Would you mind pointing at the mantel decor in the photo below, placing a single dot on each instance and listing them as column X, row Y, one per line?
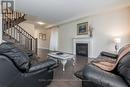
column 42, row 36
column 82, row 28
column 90, row 31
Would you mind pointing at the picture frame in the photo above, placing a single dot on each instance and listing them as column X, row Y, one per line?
column 42, row 36
column 82, row 28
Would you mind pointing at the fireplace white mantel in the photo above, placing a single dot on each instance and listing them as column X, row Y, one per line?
column 87, row 40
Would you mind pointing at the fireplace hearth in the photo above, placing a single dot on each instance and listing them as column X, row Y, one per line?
column 82, row 49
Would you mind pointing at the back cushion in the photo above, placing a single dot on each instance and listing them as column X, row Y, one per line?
column 123, row 67
column 20, row 59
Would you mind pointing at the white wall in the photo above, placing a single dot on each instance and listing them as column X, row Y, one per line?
column 106, row 27
column 0, row 27
column 43, row 44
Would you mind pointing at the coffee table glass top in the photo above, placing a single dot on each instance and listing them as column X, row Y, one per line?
column 61, row 55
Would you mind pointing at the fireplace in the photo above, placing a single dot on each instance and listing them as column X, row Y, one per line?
column 83, row 46
column 82, row 49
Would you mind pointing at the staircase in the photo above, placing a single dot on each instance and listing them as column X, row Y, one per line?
column 12, row 31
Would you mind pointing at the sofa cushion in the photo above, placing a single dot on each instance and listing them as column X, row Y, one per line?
column 100, row 77
column 19, row 58
column 124, row 67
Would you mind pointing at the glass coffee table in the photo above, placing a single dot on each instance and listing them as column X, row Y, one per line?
column 62, row 57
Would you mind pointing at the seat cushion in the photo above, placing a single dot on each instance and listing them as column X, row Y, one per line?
column 104, row 63
column 47, row 64
column 124, row 67
column 18, row 57
column 105, row 59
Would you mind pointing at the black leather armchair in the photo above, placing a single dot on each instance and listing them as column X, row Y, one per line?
column 16, row 69
column 92, row 76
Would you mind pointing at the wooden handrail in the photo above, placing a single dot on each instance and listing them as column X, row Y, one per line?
column 26, row 32
column 20, row 32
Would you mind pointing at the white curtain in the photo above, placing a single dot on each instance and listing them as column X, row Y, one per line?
column 54, row 39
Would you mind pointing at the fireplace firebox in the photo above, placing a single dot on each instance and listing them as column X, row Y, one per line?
column 82, row 49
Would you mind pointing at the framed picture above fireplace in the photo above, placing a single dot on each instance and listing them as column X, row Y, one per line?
column 82, row 28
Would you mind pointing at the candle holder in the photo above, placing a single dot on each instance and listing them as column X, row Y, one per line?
column 117, row 44
column 91, row 31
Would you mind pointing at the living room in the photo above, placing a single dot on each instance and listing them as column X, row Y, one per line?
column 85, row 29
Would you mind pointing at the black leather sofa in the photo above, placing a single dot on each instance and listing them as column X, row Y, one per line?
column 17, row 69
column 93, row 76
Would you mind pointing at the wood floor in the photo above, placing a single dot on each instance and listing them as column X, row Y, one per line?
column 65, row 78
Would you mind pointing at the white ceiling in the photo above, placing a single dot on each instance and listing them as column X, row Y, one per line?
column 56, row 11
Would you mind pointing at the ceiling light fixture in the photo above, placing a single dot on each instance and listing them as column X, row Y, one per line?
column 41, row 23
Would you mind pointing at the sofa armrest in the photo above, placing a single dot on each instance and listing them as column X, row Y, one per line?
column 103, row 78
column 49, row 64
column 107, row 54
